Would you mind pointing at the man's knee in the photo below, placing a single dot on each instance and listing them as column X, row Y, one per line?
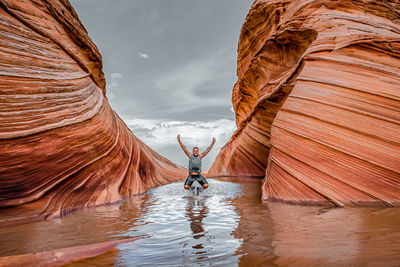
column 186, row 187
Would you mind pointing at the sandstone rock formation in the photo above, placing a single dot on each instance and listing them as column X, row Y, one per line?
column 317, row 102
column 61, row 145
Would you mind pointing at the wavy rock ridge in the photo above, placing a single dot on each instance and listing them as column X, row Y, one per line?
column 317, row 102
column 61, row 145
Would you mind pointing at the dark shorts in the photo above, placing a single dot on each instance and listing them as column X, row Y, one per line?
column 192, row 178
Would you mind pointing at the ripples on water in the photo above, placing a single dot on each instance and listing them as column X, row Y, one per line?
column 227, row 225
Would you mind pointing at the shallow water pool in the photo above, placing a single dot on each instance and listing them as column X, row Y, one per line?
column 226, row 225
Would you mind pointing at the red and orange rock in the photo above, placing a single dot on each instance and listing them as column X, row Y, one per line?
column 61, row 145
column 317, row 102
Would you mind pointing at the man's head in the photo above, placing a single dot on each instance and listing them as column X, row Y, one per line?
column 196, row 151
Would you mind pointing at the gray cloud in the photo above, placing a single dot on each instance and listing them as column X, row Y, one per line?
column 169, row 61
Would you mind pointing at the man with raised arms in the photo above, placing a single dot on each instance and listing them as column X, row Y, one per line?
column 195, row 164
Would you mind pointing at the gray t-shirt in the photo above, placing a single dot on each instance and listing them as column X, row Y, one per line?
column 195, row 163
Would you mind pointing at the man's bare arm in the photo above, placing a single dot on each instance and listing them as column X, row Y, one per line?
column 205, row 152
column 183, row 147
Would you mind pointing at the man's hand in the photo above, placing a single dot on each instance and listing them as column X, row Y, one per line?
column 183, row 146
column 202, row 155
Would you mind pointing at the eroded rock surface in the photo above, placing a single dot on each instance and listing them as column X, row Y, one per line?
column 61, row 145
column 317, row 102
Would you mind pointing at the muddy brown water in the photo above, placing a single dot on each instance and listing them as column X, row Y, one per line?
column 227, row 225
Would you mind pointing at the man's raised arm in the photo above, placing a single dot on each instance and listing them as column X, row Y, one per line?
column 183, row 147
column 205, row 152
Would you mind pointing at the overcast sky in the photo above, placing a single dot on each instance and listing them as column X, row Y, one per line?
column 170, row 67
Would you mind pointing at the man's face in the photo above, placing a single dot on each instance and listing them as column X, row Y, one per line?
column 195, row 151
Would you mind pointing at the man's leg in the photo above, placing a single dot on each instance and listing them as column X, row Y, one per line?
column 203, row 182
column 188, row 183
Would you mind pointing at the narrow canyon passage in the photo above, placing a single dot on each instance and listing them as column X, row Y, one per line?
column 227, row 224
column 316, row 105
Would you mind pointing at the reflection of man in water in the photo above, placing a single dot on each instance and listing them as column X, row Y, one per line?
column 195, row 165
column 196, row 216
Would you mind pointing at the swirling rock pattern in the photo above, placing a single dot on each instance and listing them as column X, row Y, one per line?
column 317, row 102
column 61, row 145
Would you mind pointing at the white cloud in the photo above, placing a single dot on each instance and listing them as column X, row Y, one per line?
column 112, row 83
column 110, row 95
column 115, row 75
column 143, row 55
column 161, row 135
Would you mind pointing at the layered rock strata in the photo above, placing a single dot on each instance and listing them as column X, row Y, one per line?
column 317, row 102
column 61, row 145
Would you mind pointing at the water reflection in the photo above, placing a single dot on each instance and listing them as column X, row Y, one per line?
column 255, row 227
column 227, row 225
column 196, row 210
column 185, row 229
column 94, row 225
column 335, row 236
column 276, row 234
